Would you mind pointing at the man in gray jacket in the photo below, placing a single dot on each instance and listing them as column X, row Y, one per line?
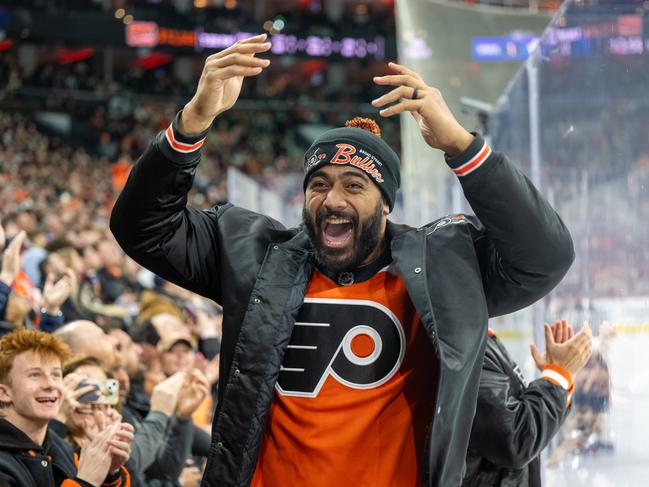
column 352, row 347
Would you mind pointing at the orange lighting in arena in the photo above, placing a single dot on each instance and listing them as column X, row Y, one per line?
column 175, row 37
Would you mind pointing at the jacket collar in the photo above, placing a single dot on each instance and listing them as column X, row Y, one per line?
column 15, row 440
column 12, row 438
column 300, row 241
column 395, row 230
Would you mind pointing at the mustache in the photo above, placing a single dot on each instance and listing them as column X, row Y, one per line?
column 322, row 215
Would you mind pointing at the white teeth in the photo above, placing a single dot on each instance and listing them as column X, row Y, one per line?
column 337, row 221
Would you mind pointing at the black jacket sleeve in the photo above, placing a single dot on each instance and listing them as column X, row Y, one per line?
column 513, row 424
column 153, row 223
column 524, row 248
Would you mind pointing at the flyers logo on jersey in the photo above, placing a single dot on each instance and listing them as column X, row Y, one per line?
column 359, row 343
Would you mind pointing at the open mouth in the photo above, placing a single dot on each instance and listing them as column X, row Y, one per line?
column 337, row 231
column 47, row 400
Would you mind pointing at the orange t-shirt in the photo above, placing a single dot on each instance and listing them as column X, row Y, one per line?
column 356, row 390
column 121, row 170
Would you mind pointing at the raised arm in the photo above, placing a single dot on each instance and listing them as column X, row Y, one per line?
column 509, row 430
column 523, row 247
column 514, row 423
column 151, row 219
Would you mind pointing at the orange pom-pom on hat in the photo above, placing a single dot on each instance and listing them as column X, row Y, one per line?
column 365, row 124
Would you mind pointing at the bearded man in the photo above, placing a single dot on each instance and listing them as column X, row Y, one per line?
column 352, row 347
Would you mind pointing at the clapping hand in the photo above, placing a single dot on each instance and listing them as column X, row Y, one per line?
column 193, row 394
column 571, row 354
column 56, row 293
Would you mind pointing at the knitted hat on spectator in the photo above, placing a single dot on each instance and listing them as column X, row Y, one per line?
column 358, row 144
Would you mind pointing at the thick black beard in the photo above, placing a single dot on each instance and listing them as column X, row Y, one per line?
column 332, row 260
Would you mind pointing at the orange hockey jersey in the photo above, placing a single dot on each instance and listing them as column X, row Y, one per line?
column 356, row 390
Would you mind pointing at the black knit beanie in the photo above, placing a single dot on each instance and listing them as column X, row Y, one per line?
column 359, row 148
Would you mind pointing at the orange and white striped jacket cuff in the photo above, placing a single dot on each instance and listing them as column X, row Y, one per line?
column 179, row 147
column 559, row 376
column 472, row 159
column 176, row 143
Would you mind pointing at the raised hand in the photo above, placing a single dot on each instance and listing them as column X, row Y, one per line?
column 165, row 394
column 571, row 355
column 190, row 476
column 119, row 440
column 11, row 259
column 95, row 458
column 193, row 394
column 55, row 293
column 71, row 394
column 154, row 374
column 562, row 332
column 438, row 126
column 221, row 80
column 120, row 445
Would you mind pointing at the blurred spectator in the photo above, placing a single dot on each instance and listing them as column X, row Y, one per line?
column 164, row 434
column 81, row 419
column 176, row 351
column 31, row 390
column 515, row 421
column 86, row 339
column 585, row 430
column 20, row 301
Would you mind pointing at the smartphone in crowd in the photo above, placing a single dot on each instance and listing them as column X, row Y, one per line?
column 104, row 392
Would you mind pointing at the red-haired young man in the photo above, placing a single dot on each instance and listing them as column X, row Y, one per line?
column 31, row 393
